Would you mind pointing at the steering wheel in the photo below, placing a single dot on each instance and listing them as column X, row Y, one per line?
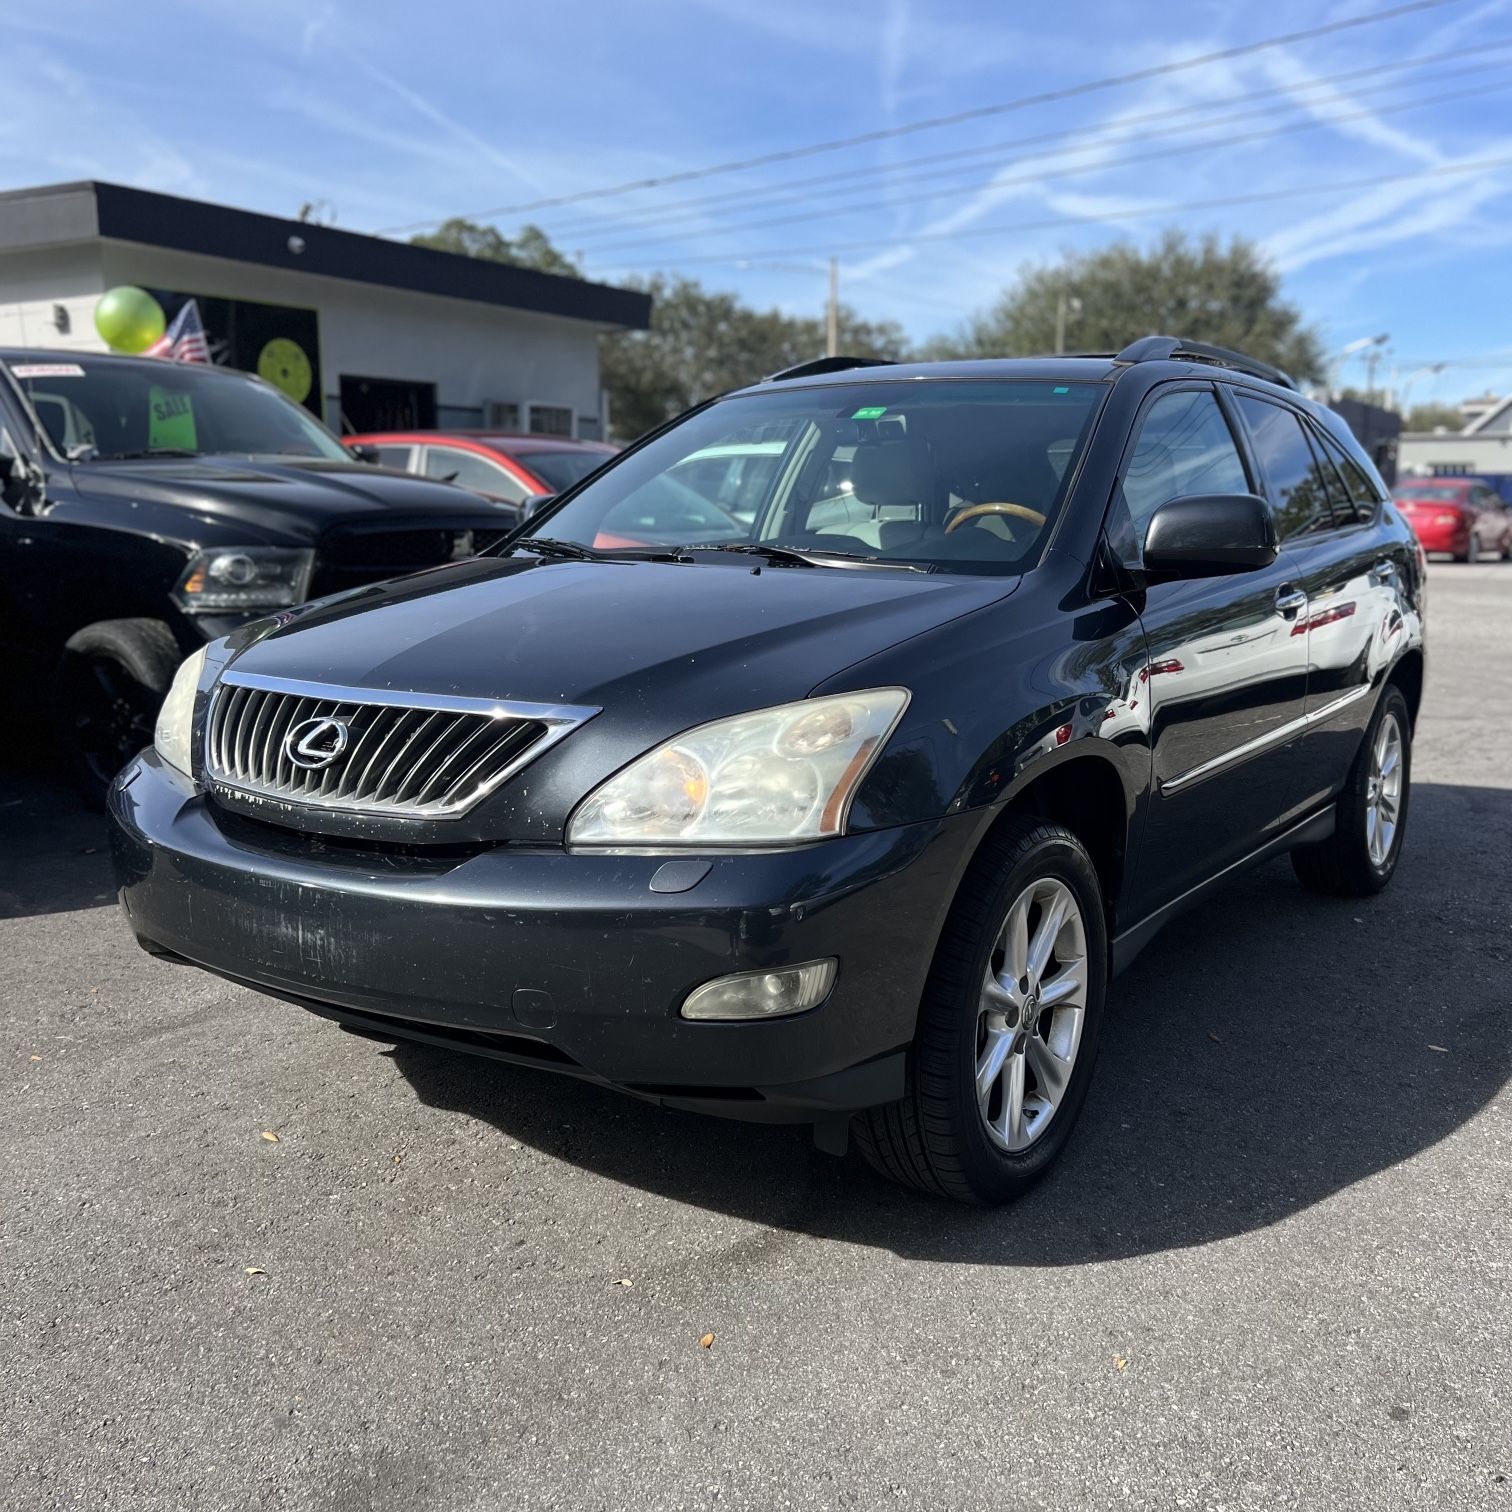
column 975, row 511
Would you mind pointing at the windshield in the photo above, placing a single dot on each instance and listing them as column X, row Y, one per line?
column 560, row 470
column 104, row 408
column 959, row 474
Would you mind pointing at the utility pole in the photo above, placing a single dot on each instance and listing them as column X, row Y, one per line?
column 832, row 312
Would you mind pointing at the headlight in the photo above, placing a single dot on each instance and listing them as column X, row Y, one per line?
column 252, row 578
column 175, row 719
column 770, row 778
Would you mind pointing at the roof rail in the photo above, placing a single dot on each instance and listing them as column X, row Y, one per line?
column 1164, row 348
column 826, row 365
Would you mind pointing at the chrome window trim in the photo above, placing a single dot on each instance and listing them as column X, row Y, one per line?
column 1261, row 742
column 560, row 721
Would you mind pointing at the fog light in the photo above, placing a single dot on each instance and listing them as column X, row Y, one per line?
column 762, row 994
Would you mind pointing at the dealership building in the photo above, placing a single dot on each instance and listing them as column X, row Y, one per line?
column 369, row 334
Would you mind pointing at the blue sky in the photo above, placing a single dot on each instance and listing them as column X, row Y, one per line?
column 395, row 114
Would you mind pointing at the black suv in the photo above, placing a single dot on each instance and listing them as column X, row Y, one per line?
column 147, row 507
column 844, row 807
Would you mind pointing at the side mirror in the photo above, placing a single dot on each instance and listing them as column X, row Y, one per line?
column 365, row 453
column 1209, row 535
column 534, row 504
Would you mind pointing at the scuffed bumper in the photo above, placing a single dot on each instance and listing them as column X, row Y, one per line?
column 567, row 961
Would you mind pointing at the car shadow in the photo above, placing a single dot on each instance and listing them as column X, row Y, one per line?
column 54, row 851
column 1266, row 1051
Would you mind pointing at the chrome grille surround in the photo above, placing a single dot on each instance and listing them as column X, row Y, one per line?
column 406, row 755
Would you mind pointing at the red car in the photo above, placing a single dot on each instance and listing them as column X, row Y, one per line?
column 1461, row 516
column 506, row 469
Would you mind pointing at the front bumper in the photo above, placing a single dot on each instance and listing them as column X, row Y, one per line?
column 569, row 961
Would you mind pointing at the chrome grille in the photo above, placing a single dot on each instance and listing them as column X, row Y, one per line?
column 399, row 754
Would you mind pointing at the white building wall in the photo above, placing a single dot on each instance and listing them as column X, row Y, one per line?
column 32, row 284
column 1423, row 452
column 474, row 353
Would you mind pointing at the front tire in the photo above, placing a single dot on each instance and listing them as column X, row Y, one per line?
column 1361, row 855
column 1008, row 1025
column 111, row 683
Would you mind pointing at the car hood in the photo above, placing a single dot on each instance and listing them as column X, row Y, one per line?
column 285, row 502
column 666, row 644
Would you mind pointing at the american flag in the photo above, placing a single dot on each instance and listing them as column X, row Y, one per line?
column 184, row 340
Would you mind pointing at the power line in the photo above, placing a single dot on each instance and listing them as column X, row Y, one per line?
column 1141, row 212
column 736, row 228
column 652, row 215
column 956, row 118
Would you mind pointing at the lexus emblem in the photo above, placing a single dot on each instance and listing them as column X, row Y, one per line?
column 316, row 743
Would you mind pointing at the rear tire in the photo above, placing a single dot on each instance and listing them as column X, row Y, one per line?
column 944, row 1137
column 111, row 683
column 1361, row 855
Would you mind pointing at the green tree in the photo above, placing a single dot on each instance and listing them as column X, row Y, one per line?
column 531, row 248
column 702, row 342
column 1201, row 289
column 1427, row 417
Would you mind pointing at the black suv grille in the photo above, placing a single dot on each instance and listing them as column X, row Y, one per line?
column 350, row 558
column 370, row 752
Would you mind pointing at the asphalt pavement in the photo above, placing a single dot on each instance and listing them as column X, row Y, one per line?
column 1273, row 1270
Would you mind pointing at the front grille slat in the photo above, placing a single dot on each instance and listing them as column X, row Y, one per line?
column 443, row 771
column 391, row 778
column 414, row 777
column 402, row 731
column 499, row 752
column 432, row 757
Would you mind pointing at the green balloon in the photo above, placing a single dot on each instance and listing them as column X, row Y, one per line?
column 129, row 319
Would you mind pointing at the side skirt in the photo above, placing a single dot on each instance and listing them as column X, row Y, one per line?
column 1127, row 945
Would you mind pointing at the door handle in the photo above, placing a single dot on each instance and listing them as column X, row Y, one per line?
column 1290, row 600
column 1382, row 572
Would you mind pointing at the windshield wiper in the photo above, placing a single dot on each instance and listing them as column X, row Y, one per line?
column 794, row 556
column 546, row 547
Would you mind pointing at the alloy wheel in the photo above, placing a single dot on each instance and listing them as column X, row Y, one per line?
column 1383, row 791
column 1030, row 1014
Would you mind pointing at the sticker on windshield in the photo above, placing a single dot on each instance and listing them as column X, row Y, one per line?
column 171, row 423
column 46, row 370
column 871, row 412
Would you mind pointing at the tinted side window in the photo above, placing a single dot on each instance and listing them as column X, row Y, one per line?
column 1362, row 496
column 1298, row 490
column 1339, row 502
column 1184, row 447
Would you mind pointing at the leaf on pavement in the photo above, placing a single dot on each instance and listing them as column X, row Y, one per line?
column 707, row 1342
column 254, row 1270
column 1119, row 1363
column 1440, row 1049
column 624, row 1281
column 270, row 1136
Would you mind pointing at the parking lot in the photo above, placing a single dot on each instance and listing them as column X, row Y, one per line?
column 1273, row 1270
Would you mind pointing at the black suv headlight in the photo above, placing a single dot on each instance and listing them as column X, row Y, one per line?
column 228, row 579
column 772, row 777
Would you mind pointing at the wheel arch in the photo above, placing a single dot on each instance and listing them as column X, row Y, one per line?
column 1086, row 794
column 1407, row 674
